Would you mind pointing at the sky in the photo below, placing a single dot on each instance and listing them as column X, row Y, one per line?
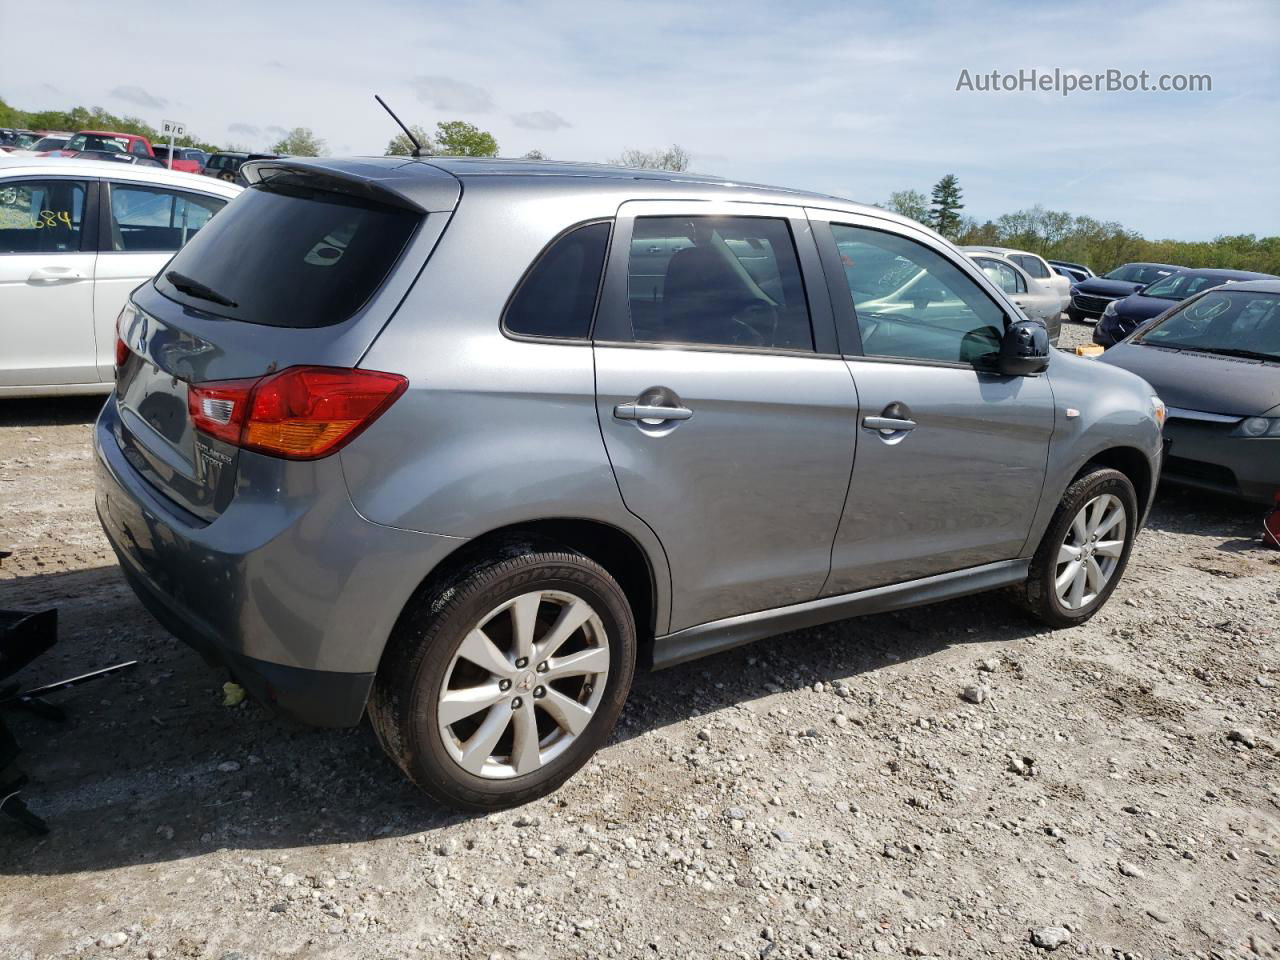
column 847, row 98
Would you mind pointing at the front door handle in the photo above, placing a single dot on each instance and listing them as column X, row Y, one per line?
column 56, row 275
column 643, row 411
column 888, row 424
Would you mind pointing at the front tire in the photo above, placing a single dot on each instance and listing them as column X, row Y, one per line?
column 1085, row 549
column 498, row 685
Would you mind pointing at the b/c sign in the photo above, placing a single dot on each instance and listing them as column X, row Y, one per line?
column 171, row 128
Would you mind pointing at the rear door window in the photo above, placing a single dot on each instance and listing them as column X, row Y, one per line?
column 557, row 298
column 153, row 219
column 1033, row 265
column 288, row 255
column 41, row 216
column 730, row 281
column 1002, row 275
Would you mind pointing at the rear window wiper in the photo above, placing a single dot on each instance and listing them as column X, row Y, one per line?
column 194, row 288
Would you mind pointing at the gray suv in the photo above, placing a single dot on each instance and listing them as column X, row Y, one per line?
column 464, row 442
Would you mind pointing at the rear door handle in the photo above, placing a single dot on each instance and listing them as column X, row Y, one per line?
column 889, row 424
column 641, row 411
column 55, row 275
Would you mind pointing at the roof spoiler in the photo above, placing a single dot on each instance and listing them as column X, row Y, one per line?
column 315, row 175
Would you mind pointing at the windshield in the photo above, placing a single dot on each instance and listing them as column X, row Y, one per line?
column 50, row 143
column 1179, row 286
column 92, row 141
column 1222, row 321
column 1137, row 273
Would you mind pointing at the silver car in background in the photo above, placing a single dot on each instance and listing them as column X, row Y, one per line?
column 1035, row 300
column 1036, row 267
column 466, row 442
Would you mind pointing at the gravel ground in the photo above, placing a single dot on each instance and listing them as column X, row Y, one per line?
column 828, row 793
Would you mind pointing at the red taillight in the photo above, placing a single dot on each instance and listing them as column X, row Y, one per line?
column 301, row 413
column 218, row 409
column 122, row 348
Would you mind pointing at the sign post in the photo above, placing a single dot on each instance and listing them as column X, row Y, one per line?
column 174, row 130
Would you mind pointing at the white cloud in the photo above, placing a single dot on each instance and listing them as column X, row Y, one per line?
column 248, row 129
column 138, row 96
column 539, row 120
column 446, row 93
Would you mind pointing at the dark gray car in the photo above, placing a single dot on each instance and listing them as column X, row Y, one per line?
column 1216, row 361
column 467, row 441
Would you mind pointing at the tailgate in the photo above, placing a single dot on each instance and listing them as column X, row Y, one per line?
column 304, row 271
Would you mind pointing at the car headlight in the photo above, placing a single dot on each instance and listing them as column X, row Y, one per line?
column 1255, row 427
column 1159, row 410
column 1110, row 310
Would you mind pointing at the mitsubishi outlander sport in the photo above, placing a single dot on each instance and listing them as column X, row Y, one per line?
column 463, row 443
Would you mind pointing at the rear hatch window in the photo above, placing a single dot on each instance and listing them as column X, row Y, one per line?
column 288, row 255
column 257, row 290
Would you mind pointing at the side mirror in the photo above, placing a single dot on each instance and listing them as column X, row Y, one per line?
column 1140, row 288
column 1024, row 349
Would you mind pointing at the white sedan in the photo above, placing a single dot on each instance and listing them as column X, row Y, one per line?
column 1037, row 301
column 1035, row 267
column 76, row 236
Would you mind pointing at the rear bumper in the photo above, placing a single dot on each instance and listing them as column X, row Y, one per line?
column 289, row 587
column 322, row 698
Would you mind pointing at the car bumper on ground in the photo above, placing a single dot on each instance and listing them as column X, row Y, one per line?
column 297, row 603
column 1205, row 455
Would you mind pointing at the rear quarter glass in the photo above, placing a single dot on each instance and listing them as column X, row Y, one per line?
column 284, row 256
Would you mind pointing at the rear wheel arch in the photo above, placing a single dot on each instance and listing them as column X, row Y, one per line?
column 619, row 553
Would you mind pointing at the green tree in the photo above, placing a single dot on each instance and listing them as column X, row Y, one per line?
column 536, row 154
column 299, row 142
column 910, row 203
column 675, row 158
column 457, row 138
column 11, row 116
column 945, row 214
column 402, row 146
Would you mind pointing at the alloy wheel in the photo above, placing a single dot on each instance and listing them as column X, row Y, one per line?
column 1090, row 552
column 524, row 684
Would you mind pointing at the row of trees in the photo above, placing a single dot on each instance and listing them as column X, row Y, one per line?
column 1057, row 234
column 451, row 138
column 89, row 118
column 299, row 141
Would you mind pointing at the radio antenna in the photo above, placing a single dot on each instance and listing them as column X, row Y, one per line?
column 417, row 147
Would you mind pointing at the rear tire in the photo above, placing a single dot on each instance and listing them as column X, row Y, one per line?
column 474, row 723
column 1085, row 549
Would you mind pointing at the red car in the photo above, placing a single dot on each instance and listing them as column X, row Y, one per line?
column 104, row 141
column 186, row 159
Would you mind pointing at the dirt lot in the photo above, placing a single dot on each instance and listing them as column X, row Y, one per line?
column 826, row 793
